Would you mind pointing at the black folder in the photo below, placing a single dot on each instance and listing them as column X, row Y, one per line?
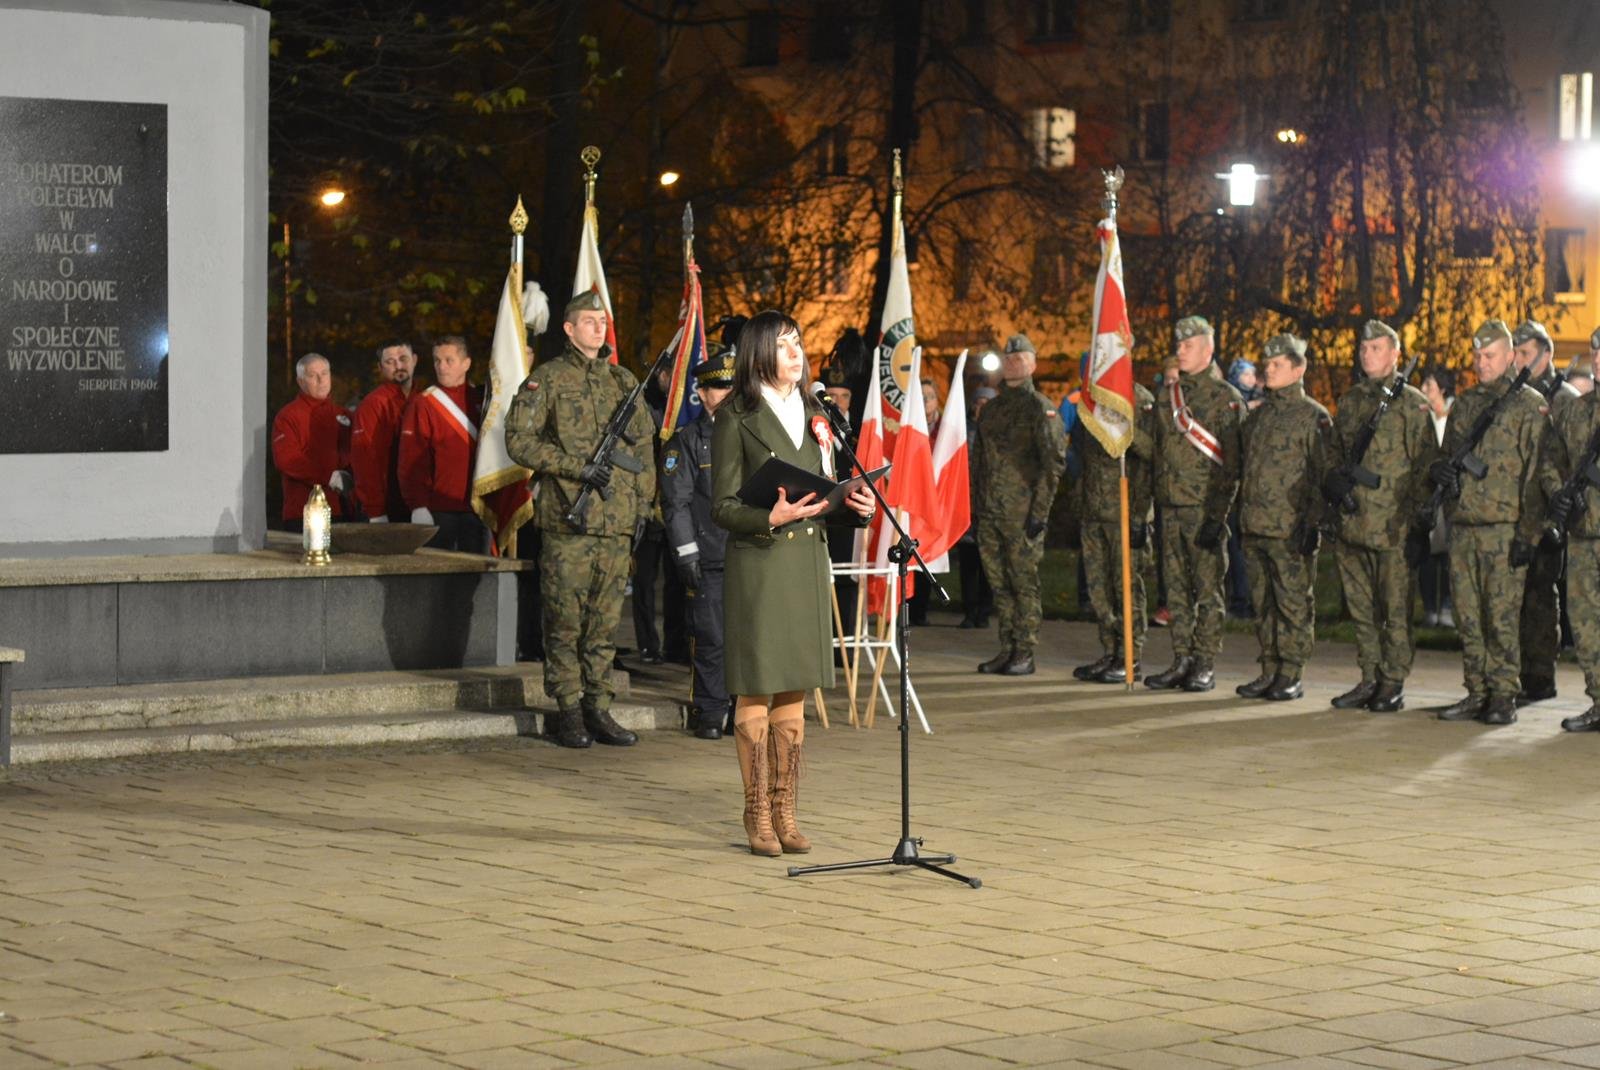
column 761, row 489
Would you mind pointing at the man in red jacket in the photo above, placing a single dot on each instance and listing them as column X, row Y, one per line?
column 373, row 457
column 311, row 441
column 438, row 443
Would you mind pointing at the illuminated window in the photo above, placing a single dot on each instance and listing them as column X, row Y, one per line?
column 1576, row 94
column 1052, row 131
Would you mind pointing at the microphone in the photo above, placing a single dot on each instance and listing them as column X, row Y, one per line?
column 840, row 417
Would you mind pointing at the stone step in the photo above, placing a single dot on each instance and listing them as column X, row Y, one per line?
column 282, row 698
column 310, row 731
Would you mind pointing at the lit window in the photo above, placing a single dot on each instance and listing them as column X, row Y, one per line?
column 1052, row 131
column 1577, row 104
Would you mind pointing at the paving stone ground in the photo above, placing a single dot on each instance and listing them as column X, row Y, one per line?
column 1168, row 881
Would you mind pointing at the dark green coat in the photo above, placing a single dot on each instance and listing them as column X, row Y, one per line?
column 777, row 616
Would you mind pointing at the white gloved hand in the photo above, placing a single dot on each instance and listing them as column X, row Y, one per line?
column 339, row 481
column 420, row 515
column 378, row 520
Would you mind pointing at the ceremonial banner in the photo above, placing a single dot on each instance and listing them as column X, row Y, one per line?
column 688, row 350
column 591, row 273
column 951, row 476
column 1106, row 405
column 499, row 487
column 899, row 338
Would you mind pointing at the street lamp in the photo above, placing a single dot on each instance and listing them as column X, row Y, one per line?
column 670, row 178
column 990, row 362
column 1242, row 179
column 331, row 197
column 1585, row 170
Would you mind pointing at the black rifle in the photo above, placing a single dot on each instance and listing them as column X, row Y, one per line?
column 1464, row 459
column 606, row 454
column 1585, row 474
column 1363, row 440
column 1561, row 380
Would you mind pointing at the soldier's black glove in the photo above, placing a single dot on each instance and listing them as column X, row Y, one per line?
column 1417, row 547
column 1138, row 535
column 1521, row 554
column 1033, row 528
column 1209, row 537
column 1564, row 505
column 1337, row 485
column 1443, row 474
column 596, row 475
column 1307, row 538
column 689, row 573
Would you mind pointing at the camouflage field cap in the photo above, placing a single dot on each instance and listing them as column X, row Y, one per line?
column 1491, row 332
column 717, row 368
column 1372, row 330
column 584, row 302
column 1284, row 345
column 1192, row 327
column 1528, row 330
column 1019, row 343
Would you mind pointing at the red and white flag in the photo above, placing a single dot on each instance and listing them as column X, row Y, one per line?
column 499, row 486
column 951, row 478
column 1106, row 403
column 591, row 273
column 910, row 491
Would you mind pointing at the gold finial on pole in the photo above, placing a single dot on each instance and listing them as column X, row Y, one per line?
column 899, row 184
column 519, row 223
column 1113, row 186
column 688, row 233
column 590, row 156
column 519, row 218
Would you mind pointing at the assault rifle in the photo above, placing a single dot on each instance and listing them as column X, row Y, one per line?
column 1585, row 474
column 1561, row 380
column 1353, row 468
column 1464, row 459
column 605, row 453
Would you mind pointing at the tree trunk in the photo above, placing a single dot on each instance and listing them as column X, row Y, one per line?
column 902, row 131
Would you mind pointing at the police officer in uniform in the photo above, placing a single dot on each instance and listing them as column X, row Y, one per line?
column 698, row 545
column 1021, row 451
column 1197, row 476
column 1540, row 622
column 552, row 428
column 1280, row 508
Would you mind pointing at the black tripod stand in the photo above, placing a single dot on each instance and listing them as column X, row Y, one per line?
column 907, row 851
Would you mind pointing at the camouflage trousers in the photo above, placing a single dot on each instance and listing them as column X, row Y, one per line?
column 1102, row 565
column 1540, row 624
column 1281, row 582
column 1011, row 561
column 1194, row 583
column 1378, row 591
column 1583, row 597
column 1488, row 596
column 582, row 578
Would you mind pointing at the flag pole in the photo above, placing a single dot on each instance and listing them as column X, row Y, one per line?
column 519, row 224
column 590, row 156
column 1113, row 180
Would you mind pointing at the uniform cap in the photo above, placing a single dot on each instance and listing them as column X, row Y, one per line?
column 1491, row 332
column 717, row 368
column 1594, row 339
column 1372, row 330
column 1191, row 327
column 585, row 302
column 1284, row 345
column 1528, row 330
column 834, row 375
column 1019, row 343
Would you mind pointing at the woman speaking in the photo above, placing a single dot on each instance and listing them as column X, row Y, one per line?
column 776, row 611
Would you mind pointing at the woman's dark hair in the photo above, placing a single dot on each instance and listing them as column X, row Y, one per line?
column 1444, row 377
column 755, row 361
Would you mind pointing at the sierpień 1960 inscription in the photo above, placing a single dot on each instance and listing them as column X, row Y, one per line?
column 83, row 276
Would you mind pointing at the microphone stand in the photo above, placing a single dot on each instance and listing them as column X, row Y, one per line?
column 907, row 851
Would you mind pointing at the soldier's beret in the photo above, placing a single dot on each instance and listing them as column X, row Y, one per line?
column 1594, row 339
column 834, row 375
column 1191, row 327
column 1491, row 332
column 1285, row 345
column 1372, row 330
column 717, row 368
column 1528, row 330
column 585, row 302
column 1019, row 343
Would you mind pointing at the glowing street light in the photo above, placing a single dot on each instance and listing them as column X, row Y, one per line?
column 670, row 178
column 331, row 198
column 1584, row 172
column 990, row 362
column 1290, row 136
column 1242, row 179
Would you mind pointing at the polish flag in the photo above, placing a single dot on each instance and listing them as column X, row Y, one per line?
column 591, row 273
column 911, row 492
column 950, row 473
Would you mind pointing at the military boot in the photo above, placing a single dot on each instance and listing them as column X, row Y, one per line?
column 1587, row 721
column 1536, row 689
column 604, row 729
column 996, row 663
column 1467, row 709
column 1357, row 697
column 751, row 738
column 1284, row 688
column 565, row 728
column 1257, row 687
column 1499, row 710
column 1173, row 677
column 1388, row 698
column 705, row 725
column 1117, row 672
column 785, row 743
column 1201, row 677
column 1020, row 665
column 1093, row 670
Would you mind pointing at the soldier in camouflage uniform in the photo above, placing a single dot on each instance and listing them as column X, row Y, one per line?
column 1494, row 525
column 553, row 426
column 1574, row 426
column 1197, row 475
column 1280, row 506
column 1020, row 453
column 1539, row 626
column 1385, row 539
column 1099, row 507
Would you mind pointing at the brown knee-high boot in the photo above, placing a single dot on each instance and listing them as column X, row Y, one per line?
column 787, row 743
column 751, row 739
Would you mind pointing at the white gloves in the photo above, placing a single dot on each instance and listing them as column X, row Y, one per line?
column 339, row 481
column 378, row 520
column 420, row 515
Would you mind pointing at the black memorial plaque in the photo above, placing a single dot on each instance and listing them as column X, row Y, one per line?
column 83, row 276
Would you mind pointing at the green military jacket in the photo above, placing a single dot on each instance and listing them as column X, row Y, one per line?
column 1020, row 453
column 1401, row 451
column 1099, row 497
column 1564, row 444
column 1285, row 458
column 1509, row 493
column 555, row 423
column 1184, row 475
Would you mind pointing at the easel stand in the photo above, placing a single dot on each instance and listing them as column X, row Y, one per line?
column 907, row 852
